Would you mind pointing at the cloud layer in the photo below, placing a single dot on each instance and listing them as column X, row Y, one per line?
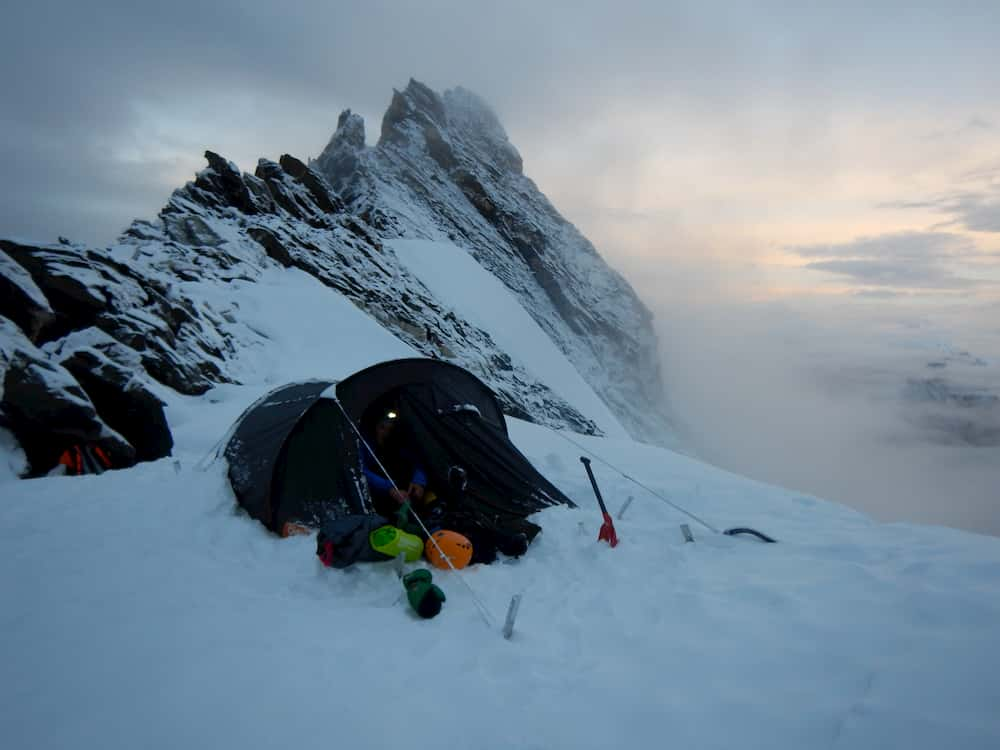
column 907, row 260
column 108, row 104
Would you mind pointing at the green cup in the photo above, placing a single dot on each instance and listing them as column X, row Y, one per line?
column 391, row 541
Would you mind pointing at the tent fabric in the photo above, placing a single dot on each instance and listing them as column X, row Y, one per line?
column 257, row 441
column 294, row 458
column 453, row 386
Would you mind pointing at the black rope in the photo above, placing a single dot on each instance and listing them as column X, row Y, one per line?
column 752, row 532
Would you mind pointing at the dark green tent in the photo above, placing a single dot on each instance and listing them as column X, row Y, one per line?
column 295, row 459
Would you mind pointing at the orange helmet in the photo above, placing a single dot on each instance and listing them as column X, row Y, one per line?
column 454, row 545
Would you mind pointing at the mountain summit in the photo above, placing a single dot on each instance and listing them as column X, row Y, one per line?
column 444, row 169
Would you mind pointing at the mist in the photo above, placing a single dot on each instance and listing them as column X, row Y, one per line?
column 893, row 411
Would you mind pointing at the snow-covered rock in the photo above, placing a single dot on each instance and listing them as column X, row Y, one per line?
column 47, row 408
column 21, row 300
column 160, row 308
column 225, row 226
column 444, row 169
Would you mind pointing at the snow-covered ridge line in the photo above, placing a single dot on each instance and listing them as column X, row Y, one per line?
column 166, row 298
column 444, row 170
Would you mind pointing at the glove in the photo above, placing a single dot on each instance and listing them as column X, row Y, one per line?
column 425, row 597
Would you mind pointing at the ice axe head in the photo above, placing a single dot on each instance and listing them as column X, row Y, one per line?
column 607, row 532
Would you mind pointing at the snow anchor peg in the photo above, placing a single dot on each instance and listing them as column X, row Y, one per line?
column 621, row 513
column 607, row 532
column 508, row 626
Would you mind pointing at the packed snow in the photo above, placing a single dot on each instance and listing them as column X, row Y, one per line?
column 456, row 279
column 143, row 609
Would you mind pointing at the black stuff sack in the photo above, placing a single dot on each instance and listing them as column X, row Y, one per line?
column 344, row 541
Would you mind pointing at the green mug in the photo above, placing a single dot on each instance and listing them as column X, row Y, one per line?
column 391, row 541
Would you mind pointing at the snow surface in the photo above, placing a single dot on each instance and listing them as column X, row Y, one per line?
column 457, row 280
column 141, row 609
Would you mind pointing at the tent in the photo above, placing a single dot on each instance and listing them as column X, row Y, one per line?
column 295, row 460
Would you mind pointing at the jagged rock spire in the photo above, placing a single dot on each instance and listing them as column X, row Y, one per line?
column 444, row 169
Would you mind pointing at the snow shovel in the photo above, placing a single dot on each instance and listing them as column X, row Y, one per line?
column 607, row 533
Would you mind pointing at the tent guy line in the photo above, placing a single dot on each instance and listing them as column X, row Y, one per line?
column 728, row 532
column 480, row 605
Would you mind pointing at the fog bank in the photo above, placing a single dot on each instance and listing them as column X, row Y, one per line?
column 892, row 409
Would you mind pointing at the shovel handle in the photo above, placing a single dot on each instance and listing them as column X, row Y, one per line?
column 593, row 483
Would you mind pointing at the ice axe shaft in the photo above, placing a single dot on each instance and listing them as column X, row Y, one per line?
column 607, row 533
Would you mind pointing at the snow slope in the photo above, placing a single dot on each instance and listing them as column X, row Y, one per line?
column 456, row 279
column 140, row 609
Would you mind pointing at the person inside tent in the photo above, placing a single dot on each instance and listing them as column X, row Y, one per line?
column 387, row 451
column 392, row 452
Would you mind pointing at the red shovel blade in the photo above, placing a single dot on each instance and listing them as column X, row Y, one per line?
column 607, row 532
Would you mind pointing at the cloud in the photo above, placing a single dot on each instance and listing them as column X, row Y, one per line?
column 252, row 78
column 975, row 125
column 976, row 207
column 975, row 211
column 925, row 260
column 896, row 246
column 830, row 397
column 878, row 294
column 888, row 273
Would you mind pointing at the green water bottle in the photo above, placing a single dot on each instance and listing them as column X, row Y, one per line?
column 391, row 541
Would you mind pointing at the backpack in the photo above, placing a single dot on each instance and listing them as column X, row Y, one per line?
column 344, row 541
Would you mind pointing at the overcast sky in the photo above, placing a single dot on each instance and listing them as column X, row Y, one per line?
column 724, row 155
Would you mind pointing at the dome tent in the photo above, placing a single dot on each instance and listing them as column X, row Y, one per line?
column 294, row 458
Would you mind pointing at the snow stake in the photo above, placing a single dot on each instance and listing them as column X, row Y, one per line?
column 625, row 507
column 686, row 531
column 607, row 532
column 508, row 626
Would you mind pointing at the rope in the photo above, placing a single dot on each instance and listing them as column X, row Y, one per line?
column 655, row 494
column 483, row 609
column 753, row 532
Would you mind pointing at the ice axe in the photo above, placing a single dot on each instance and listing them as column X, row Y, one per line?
column 607, row 533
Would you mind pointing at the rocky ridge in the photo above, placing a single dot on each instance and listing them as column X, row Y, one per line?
column 444, row 169
column 89, row 337
column 82, row 327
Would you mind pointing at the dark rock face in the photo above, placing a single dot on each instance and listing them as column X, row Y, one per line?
column 55, row 398
column 22, row 301
column 123, row 402
column 48, row 410
column 444, row 169
column 88, row 288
